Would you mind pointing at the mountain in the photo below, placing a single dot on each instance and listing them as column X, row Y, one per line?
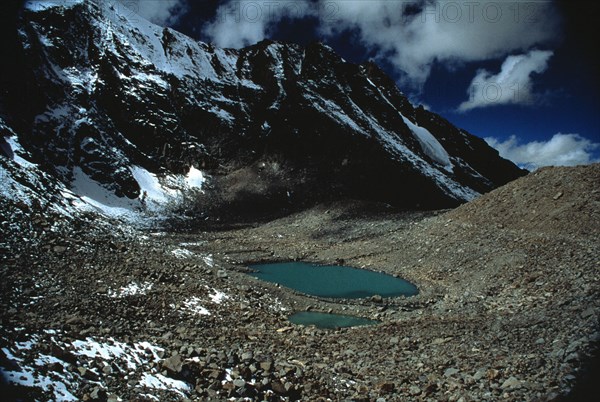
column 99, row 95
column 103, row 111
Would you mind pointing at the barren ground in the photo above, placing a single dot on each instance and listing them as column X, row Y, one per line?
column 507, row 310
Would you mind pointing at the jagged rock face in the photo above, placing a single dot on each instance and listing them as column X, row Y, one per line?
column 113, row 90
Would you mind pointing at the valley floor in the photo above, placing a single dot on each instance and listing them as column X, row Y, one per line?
column 507, row 310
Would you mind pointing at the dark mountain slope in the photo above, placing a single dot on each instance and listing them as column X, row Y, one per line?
column 108, row 91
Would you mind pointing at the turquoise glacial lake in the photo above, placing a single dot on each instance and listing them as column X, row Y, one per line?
column 328, row 321
column 332, row 281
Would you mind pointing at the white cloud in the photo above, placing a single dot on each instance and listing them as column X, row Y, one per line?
column 240, row 23
column 560, row 150
column 161, row 12
column 413, row 38
column 512, row 85
column 411, row 35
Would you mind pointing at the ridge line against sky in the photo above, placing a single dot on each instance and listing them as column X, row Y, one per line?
column 500, row 69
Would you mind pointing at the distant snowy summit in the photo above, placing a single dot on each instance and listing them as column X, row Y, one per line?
column 109, row 103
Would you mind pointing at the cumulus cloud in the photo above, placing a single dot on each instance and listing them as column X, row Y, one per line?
column 161, row 12
column 560, row 150
column 411, row 35
column 512, row 85
column 239, row 23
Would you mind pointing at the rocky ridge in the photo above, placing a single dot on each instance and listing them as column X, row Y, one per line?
column 98, row 93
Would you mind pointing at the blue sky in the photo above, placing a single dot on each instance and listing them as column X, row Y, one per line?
column 522, row 74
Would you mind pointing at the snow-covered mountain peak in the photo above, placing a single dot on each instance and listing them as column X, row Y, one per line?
column 115, row 93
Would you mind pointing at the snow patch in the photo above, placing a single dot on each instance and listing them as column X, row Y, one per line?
column 154, row 78
column 28, row 377
column 192, row 306
column 395, row 145
column 159, row 381
column 193, row 243
column 217, row 297
column 33, row 186
column 132, row 289
column 17, row 150
column 156, row 192
column 139, row 354
column 250, row 84
column 92, row 195
column 195, row 178
column 208, row 260
column 150, row 185
column 25, row 366
column 182, row 57
column 10, row 189
column 182, row 253
column 430, row 145
column 223, row 114
column 28, row 374
column 328, row 107
column 41, row 5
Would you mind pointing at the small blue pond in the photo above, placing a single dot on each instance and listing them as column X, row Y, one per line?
column 329, row 321
column 333, row 281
